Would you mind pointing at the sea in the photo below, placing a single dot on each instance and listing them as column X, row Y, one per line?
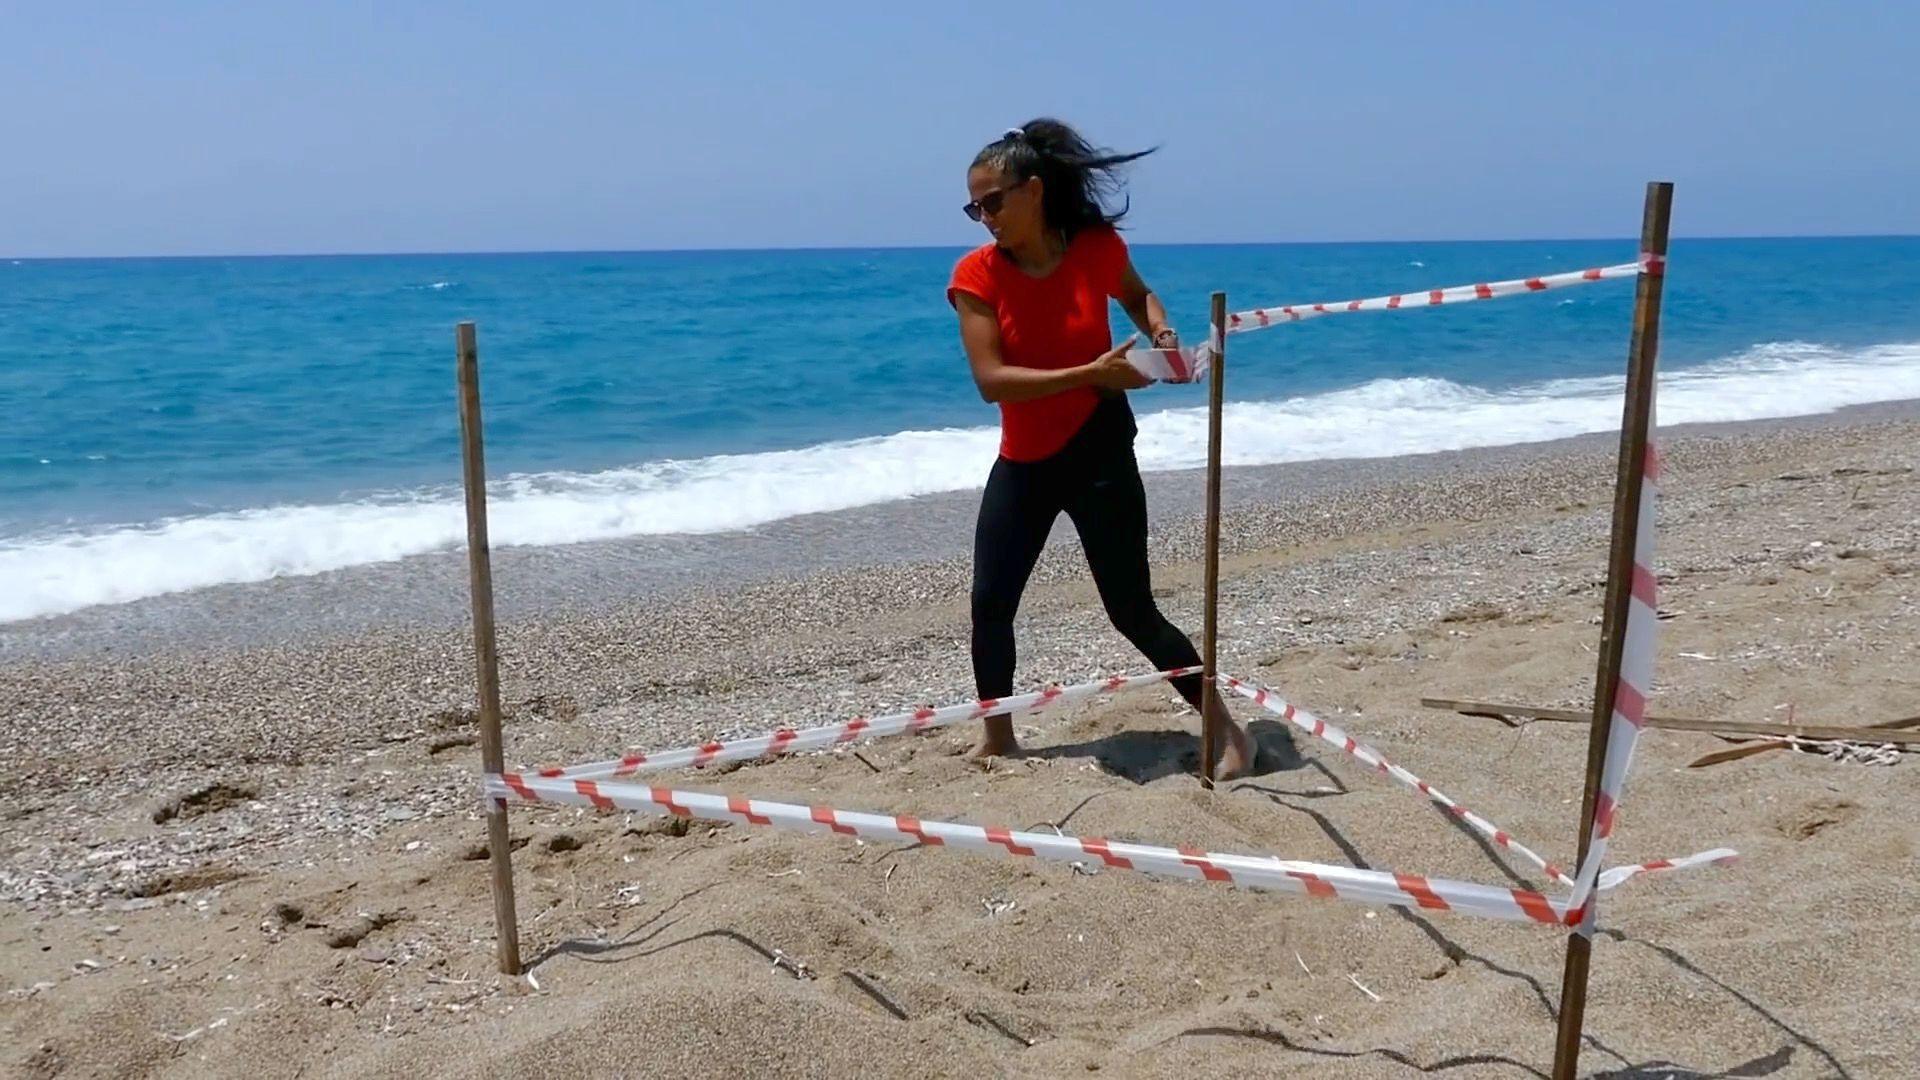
column 172, row 424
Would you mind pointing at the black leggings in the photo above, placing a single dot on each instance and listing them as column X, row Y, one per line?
column 1096, row 480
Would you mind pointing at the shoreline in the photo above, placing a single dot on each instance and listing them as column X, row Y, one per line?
column 427, row 593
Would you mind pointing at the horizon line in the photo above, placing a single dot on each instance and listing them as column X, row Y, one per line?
column 810, row 248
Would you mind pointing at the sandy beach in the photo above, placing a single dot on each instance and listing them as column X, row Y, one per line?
column 240, row 825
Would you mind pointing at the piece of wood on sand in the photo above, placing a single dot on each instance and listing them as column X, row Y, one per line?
column 1886, row 731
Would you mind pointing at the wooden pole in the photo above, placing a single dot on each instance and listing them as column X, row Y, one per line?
column 480, row 569
column 1642, row 352
column 1210, row 700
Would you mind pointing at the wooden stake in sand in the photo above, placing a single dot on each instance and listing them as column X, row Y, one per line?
column 480, row 569
column 1209, row 652
column 1636, row 419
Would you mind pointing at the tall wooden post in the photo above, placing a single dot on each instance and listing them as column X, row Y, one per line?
column 1641, row 356
column 480, row 570
column 1210, row 719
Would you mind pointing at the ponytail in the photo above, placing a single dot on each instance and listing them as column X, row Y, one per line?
column 1077, row 176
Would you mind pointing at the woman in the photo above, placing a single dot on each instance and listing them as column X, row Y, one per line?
column 1033, row 320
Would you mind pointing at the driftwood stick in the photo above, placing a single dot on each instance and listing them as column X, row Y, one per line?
column 1886, row 731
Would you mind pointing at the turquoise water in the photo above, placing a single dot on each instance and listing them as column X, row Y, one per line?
column 172, row 423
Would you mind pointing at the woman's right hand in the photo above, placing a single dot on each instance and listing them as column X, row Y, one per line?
column 1112, row 371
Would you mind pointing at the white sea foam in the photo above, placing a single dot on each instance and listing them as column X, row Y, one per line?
column 45, row 575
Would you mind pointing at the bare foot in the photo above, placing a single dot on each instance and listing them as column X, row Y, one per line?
column 993, row 748
column 997, row 740
column 1237, row 755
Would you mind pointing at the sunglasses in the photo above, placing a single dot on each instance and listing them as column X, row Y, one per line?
column 991, row 202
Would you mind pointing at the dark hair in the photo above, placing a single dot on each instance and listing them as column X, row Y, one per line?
column 1077, row 174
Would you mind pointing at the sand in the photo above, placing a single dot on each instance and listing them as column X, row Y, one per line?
column 308, row 906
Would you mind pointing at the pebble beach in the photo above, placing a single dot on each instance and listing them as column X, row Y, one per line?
column 240, row 827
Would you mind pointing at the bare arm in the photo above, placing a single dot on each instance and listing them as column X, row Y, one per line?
column 1144, row 307
column 1000, row 381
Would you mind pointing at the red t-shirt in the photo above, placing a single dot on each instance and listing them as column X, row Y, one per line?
column 1058, row 321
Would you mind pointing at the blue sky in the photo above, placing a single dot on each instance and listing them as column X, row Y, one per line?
column 188, row 127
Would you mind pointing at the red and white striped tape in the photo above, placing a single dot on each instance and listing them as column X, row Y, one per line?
column 1377, row 762
column 1619, row 875
column 1188, row 365
column 1635, row 683
column 1181, row 365
column 1247, row 871
column 1261, row 318
column 788, row 741
column 1321, row 880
